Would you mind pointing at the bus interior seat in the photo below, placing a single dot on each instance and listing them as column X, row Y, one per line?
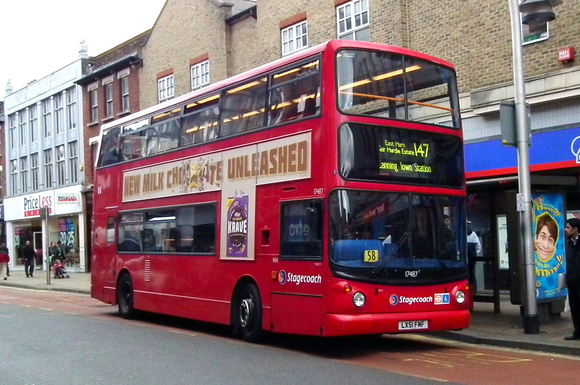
column 352, row 251
column 130, row 240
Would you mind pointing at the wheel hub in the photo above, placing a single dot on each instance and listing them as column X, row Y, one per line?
column 246, row 308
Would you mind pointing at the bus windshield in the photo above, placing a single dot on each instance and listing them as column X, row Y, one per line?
column 394, row 86
column 397, row 237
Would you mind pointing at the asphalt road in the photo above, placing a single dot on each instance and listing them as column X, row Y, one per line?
column 61, row 338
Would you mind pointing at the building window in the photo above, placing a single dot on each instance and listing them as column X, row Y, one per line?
column 12, row 131
column 60, row 166
column 353, row 20
column 47, row 117
column 48, row 172
column 294, row 38
column 200, row 75
column 125, row 107
column 24, row 174
column 71, row 107
column 109, row 100
column 165, row 88
column 34, row 171
column 94, row 95
column 33, row 119
column 59, row 113
column 13, row 177
column 73, row 159
column 22, row 124
column 534, row 33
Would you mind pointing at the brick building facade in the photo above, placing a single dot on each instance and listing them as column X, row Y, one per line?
column 110, row 91
column 474, row 35
column 191, row 45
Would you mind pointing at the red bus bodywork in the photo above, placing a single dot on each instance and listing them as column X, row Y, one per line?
column 295, row 296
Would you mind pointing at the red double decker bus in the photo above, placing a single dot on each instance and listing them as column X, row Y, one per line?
column 307, row 196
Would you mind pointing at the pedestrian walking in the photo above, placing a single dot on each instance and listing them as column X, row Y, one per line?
column 4, row 259
column 29, row 256
column 573, row 273
column 3, row 247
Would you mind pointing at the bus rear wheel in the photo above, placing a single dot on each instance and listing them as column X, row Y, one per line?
column 125, row 297
column 248, row 320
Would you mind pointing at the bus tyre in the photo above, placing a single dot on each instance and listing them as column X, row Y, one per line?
column 125, row 297
column 249, row 314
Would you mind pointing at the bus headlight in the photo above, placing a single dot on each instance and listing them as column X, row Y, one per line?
column 460, row 296
column 359, row 299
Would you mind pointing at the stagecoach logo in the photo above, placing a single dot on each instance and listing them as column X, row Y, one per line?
column 440, row 299
column 284, row 277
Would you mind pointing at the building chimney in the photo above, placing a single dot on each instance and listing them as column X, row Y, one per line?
column 83, row 52
column 9, row 88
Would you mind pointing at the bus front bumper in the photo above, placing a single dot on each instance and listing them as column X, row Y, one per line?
column 394, row 323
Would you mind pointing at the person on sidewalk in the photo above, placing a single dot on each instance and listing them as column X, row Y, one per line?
column 55, row 252
column 29, row 256
column 473, row 250
column 4, row 259
column 573, row 273
column 3, row 247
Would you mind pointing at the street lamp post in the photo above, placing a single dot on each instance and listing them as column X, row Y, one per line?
column 536, row 11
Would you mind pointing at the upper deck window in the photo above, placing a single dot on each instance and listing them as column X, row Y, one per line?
column 393, row 86
column 201, row 120
column 110, row 147
column 295, row 93
column 277, row 97
column 243, row 107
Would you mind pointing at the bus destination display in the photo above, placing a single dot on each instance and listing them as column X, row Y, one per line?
column 397, row 155
column 404, row 157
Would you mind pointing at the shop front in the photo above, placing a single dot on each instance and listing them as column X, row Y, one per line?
column 492, row 173
column 65, row 223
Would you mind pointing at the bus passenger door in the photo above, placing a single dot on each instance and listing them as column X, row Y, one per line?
column 104, row 265
column 297, row 300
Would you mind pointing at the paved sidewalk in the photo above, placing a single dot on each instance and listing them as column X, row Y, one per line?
column 77, row 283
column 503, row 329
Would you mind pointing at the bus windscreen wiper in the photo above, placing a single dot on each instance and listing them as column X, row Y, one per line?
column 398, row 245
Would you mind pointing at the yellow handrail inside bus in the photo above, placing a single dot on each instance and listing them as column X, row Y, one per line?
column 371, row 96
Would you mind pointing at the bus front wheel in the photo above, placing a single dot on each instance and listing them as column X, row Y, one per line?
column 249, row 313
column 125, row 297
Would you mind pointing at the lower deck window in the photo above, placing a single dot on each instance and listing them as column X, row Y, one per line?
column 188, row 229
